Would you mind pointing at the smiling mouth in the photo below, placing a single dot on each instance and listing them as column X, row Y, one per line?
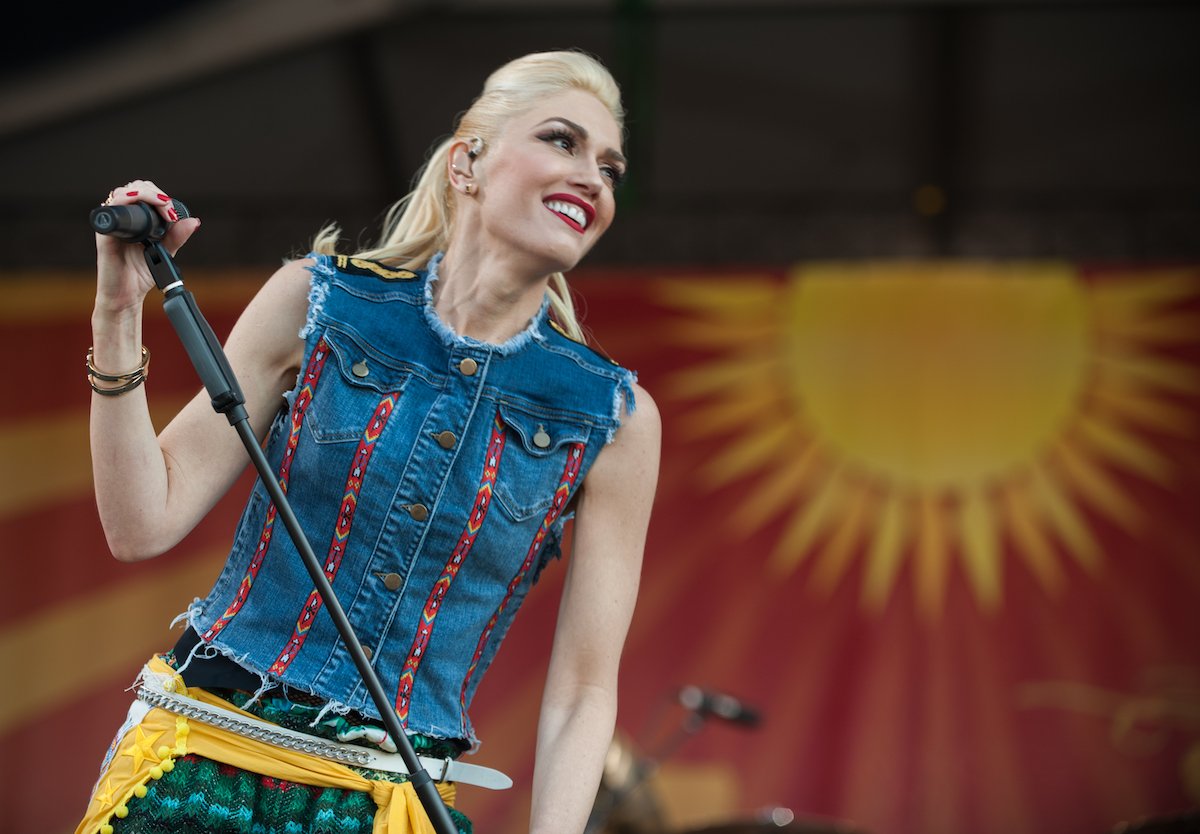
column 573, row 215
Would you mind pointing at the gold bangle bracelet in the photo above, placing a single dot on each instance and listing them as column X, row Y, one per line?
column 120, row 389
column 141, row 370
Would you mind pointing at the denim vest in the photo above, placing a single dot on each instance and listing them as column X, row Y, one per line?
column 430, row 473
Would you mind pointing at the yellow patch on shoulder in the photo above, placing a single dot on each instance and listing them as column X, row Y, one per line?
column 365, row 267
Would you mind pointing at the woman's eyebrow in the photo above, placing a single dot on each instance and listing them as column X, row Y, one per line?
column 581, row 131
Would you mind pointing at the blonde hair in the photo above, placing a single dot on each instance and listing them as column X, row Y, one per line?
column 418, row 225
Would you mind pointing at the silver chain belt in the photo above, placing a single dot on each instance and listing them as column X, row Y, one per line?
column 222, row 720
column 154, row 689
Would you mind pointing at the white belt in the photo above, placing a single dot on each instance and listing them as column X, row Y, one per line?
column 157, row 690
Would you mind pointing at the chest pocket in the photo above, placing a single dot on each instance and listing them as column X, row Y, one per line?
column 354, row 384
column 535, row 459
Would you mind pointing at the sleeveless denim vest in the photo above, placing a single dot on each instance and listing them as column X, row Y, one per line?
column 430, row 473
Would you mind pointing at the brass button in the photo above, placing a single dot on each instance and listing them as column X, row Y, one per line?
column 359, row 368
column 392, row 581
column 445, row 439
column 419, row 512
column 369, row 652
column 541, row 439
column 468, row 366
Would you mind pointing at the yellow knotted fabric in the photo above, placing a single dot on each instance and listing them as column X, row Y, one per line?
column 148, row 749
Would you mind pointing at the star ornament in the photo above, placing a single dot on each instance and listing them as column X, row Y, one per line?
column 141, row 747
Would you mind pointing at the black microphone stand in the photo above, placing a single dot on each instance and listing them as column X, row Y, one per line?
column 212, row 365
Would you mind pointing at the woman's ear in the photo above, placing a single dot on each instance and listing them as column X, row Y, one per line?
column 463, row 153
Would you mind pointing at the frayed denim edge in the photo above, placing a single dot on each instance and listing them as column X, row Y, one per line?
column 446, row 333
column 622, row 396
column 318, row 291
column 266, row 682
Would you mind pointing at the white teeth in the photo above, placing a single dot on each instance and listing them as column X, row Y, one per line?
column 570, row 210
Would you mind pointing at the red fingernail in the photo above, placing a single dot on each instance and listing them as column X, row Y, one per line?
column 131, row 193
column 164, row 198
column 174, row 215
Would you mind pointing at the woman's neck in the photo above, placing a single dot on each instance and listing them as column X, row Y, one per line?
column 485, row 298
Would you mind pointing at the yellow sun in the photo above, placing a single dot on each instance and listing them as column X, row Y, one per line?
column 933, row 412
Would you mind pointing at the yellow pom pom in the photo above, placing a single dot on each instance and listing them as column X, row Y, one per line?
column 106, row 829
column 121, row 812
column 156, row 772
column 169, row 685
column 164, row 751
column 140, row 791
column 167, row 765
column 181, row 732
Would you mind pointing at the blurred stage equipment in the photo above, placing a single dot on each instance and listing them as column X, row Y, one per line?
column 705, row 703
column 628, row 803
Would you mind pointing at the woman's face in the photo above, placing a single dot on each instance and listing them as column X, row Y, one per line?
column 546, row 180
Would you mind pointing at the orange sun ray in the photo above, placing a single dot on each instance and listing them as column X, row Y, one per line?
column 720, row 416
column 853, row 523
column 1162, row 373
column 1096, row 485
column 778, row 489
column 734, row 297
column 1133, row 402
column 1147, row 330
column 1065, row 520
column 718, row 376
column 1132, row 296
column 932, row 555
column 980, row 546
column 883, row 563
column 748, row 334
column 808, row 522
column 1034, row 547
column 744, row 454
column 1123, row 449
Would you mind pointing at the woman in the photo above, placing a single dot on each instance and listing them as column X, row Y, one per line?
column 434, row 423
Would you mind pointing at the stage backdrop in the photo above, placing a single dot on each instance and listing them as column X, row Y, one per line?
column 934, row 521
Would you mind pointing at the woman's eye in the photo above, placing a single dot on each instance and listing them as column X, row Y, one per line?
column 614, row 175
column 561, row 140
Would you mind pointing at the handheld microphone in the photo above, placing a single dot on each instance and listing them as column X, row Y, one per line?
column 135, row 223
column 705, row 703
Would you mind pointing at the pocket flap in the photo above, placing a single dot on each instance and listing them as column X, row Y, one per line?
column 540, row 434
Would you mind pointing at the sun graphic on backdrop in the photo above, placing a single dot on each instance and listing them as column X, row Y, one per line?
column 933, row 412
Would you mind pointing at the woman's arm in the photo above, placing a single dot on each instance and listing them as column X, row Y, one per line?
column 579, row 705
column 152, row 490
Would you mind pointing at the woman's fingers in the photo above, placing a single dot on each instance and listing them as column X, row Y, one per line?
column 179, row 233
column 147, row 191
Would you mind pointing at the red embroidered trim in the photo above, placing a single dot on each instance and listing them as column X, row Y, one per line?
column 341, row 532
column 561, row 494
column 312, row 375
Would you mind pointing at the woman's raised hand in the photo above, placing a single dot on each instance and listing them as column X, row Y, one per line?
column 123, row 279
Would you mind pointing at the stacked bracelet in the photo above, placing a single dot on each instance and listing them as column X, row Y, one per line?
column 127, row 382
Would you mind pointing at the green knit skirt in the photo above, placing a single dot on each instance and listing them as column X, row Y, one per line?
column 202, row 796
